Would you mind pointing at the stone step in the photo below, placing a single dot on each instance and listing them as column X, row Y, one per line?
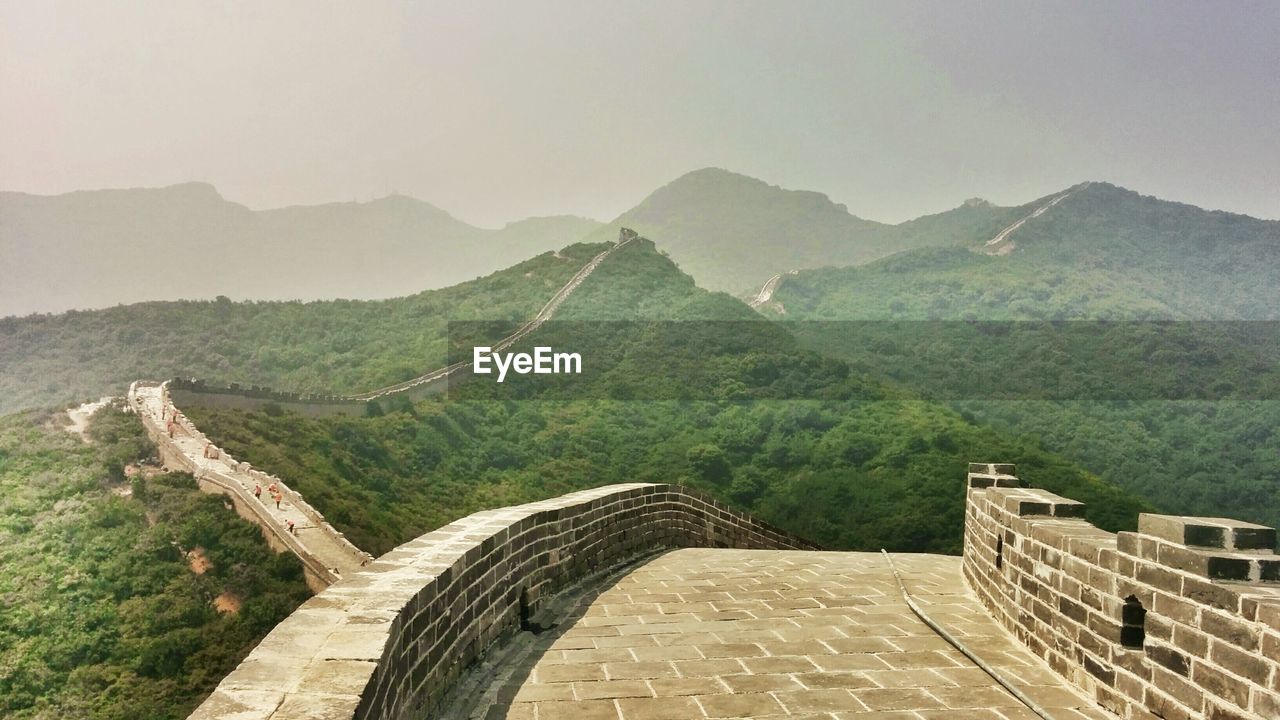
column 1204, row 532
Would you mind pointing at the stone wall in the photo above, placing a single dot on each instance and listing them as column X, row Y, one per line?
column 187, row 392
column 231, row 482
column 1178, row 620
column 389, row 642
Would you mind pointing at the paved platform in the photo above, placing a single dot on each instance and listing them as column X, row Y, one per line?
column 702, row 633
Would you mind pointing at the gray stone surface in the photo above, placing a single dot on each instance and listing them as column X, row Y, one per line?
column 706, row 633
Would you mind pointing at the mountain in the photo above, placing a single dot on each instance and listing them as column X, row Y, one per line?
column 1101, row 252
column 688, row 386
column 1185, row 413
column 732, row 232
column 318, row 347
column 100, row 248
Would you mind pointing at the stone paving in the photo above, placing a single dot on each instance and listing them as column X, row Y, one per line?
column 714, row 633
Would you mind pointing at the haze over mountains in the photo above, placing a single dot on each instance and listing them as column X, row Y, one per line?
column 1102, row 252
column 95, row 249
column 1142, row 256
column 733, row 232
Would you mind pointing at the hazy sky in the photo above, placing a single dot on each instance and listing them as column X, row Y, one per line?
column 496, row 111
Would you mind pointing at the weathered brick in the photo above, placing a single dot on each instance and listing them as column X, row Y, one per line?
column 1169, row 658
column 1190, row 641
column 1167, row 708
column 1244, row 664
column 1159, row 577
column 1177, row 609
column 1265, row 704
column 1217, row 711
column 1185, row 691
column 1237, row 632
column 1207, row 593
column 1104, row 673
column 1219, row 683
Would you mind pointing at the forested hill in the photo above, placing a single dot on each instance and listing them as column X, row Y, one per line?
column 127, row 593
column 1184, row 413
column 100, row 248
column 732, row 232
column 691, row 387
column 322, row 347
column 1102, row 253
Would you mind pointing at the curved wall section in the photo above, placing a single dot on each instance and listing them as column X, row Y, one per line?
column 389, row 642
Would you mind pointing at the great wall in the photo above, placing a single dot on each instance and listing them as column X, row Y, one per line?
column 292, row 525
column 194, row 392
column 653, row 601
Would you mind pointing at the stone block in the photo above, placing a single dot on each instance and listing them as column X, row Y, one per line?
column 1219, row 533
column 1219, row 683
column 1209, row 565
column 1242, row 634
column 1245, row 664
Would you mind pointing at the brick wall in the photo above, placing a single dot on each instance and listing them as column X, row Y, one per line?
column 1178, row 620
column 390, row 641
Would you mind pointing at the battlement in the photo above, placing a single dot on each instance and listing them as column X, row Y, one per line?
column 1180, row 619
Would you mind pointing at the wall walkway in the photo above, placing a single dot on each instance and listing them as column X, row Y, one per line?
column 390, row 642
column 326, row 554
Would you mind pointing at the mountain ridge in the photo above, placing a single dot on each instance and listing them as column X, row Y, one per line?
column 99, row 248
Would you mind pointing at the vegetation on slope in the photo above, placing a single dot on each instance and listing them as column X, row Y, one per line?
column 1184, row 413
column 96, row 249
column 332, row 346
column 102, row 613
column 711, row 396
column 732, row 232
column 1103, row 253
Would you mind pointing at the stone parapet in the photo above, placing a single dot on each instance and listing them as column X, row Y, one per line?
column 1179, row 620
column 391, row 641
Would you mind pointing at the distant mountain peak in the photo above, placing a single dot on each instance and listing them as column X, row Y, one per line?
column 727, row 188
column 193, row 187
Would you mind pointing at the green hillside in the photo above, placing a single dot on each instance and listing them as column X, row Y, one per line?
column 692, row 388
column 1184, row 413
column 331, row 346
column 104, row 615
column 732, row 232
column 1103, row 253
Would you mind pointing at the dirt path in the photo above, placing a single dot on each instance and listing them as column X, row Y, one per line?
column 80, row 417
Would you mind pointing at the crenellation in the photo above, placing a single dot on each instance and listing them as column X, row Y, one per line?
column 1201, row 640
